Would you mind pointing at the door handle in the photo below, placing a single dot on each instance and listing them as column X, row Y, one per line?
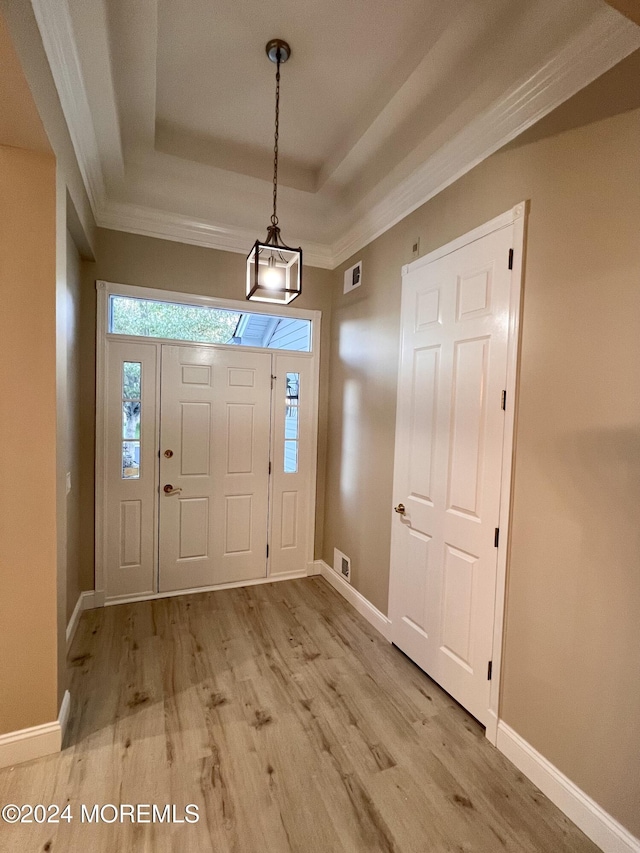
column 169, row 490
column 400, row 509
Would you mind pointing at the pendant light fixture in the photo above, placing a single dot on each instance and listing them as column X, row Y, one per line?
column 274, row 271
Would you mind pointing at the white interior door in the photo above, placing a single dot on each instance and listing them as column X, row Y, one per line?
column 214, row 466
column 448, row 461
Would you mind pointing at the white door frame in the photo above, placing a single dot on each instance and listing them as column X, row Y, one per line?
column 106, row 289
column 517, row 217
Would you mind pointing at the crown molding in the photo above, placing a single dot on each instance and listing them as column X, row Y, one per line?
column 58, row 39
column 152, row 222
column 606, row 40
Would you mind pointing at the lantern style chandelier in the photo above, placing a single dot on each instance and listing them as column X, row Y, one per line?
column 274, row 271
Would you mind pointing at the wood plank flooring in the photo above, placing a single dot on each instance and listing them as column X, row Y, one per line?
column 290, row 723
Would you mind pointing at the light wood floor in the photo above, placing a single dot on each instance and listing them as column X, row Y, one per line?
column 291, row 724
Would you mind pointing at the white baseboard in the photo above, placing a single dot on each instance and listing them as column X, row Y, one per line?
column 85, row 602
column 63, row 715
column 99, row 599
column 154, row 596
column 313, row 568
column 92, row 598
column 591, row 818
column 364, row 607
column 36, row 741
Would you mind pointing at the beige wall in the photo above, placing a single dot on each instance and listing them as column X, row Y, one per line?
column 63, row 417
column 31, row 118
column 572, row 650
column 79, row 570
column 28, row 695
column 150, row 262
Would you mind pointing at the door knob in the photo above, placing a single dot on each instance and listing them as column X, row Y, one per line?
column 168, row 453
column 400, row 509
column 169, row 490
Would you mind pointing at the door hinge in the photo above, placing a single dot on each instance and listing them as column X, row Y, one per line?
column 269, row 468
column 510, row 259
column 272, row 378
column 489, row 670
column 267, row 550
column 496, row 537
column 504, row 401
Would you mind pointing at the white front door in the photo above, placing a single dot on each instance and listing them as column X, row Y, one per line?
column 215, row 416
column 231, row 433
column 448, row 464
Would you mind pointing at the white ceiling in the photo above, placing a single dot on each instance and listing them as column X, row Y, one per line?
column 170, row 105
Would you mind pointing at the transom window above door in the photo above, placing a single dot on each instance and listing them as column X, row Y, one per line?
column 179, row 321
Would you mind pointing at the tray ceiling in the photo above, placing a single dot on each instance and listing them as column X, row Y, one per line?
column 170, row 105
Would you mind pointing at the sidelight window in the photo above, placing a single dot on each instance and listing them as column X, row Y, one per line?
column 131, row 410
column 292, row 423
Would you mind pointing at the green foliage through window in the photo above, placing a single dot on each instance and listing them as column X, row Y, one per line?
column 172, row 320
column 131, row 371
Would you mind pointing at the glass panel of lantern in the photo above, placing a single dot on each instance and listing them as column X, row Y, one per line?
column 274, row 273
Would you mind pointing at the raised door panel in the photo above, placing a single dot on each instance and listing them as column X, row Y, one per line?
column 130, row 534
column 195, row 439
column 239, row 523
column 241, row 377
column 473, row 293
column 457, row 604
column 423, row 417
column 419, row 551
column 196, row 374
column 427, row 308
column 289, row 520
column 240, row 438
column 193, row 532
column 468, row 425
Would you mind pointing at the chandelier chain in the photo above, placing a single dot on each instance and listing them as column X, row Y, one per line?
column 274, row 215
